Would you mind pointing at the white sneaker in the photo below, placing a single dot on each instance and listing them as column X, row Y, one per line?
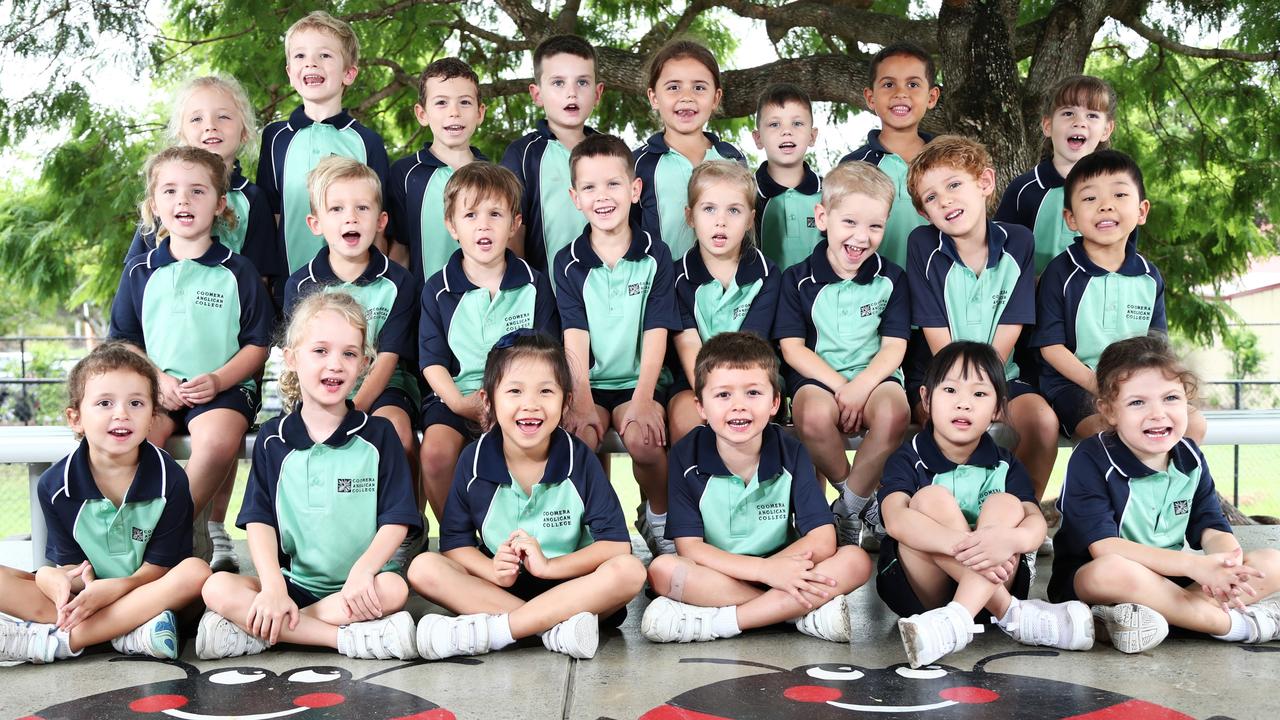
column 157, row 638
column 829, row 621
column 441, row 636
column 577, row 637
column 1066, row 626
column 1264, row 621
column 218, row 637
column 1130, row 627
column 656, row 539
column 381, row 639
column 848, row 526
column 224, row 551
column 934, row 634
column 25, row 641
column 666, row 620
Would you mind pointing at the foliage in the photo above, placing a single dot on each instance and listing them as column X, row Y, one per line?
column 1246, row 357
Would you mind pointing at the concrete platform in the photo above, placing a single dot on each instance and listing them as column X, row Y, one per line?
column 774, row 673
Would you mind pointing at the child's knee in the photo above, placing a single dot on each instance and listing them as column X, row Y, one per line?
column 191, row 573
column 933, row 500
column 437, row 459
column 643, row 453
column 661, row 571
column 392, row 591
column 217, row 589
column 814, row 415
column 1109, row 574
column 426, row 572
column 855, row 563
column 1266, row 560
column 624, row 572
column 1002, row 505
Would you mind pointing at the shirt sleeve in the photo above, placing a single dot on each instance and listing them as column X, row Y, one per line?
column 141, row 244
column 808, row 505
column 1158, row 319
column 61, row 547
column 1206, row 511
column 396, row 504
column 126, row 315
column 569, row 301
column 899, row 475
column 792, row 317
column 603, row 512
column 1021, row 309
column 1008, row 209
column 266, row 179
column 686, row 298
column 684, row 518
column 1084, row 501
column 1016, row 481
column 256, row 315
column 760, row 317
column 545, row 316
column 660, row 305
column 513, row 160
column 895, row 319
column 170, row 542
column 377, row 159
column 259, row 503
column 457, row 529
column 397, row 212
column 433, row 340
column 1051, row 308
column 397, row 332
column 928, row 307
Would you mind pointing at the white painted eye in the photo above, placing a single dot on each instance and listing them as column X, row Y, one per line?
column 236, row 677
column 931, row 672
column 845, row 672
column 315, row 676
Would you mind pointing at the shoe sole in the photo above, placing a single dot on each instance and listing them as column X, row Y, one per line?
column 586, row 636
column 164, row 637
column 1129, row 627
column 224, row 565
column 908, row 630
column 406, row 635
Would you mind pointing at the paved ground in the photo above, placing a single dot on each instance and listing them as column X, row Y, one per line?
column 766, row 674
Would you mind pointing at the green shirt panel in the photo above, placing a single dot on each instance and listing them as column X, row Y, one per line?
column 1113, row 307
column 788, row 232
column 720, row 309
column 479, row 322
column 377, row 299
column 234, row 237
column 903, row 216
column 970, row 485
column 437, row 244
column 115, row 540
column 671, row 190
column 1051, row 231
column 846, row 318
column 747, row 518
column 309, row 145
column 562, row 222
column 976, row 302
column 615, row 303
column 191, row 318
column 551, row 513
column 1159, row 508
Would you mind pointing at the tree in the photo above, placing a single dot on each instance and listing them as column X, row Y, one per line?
column 1201, row 117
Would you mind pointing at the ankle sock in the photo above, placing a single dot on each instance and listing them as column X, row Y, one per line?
column 64, row 646
column 499, row 631
column 1239, row 631
column 725, row 622
column 1004, row 622
column 653, row 517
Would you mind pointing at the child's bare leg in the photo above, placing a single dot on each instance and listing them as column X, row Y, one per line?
column 404, row 430
column 162, row 428
column 222, row 497
column 1037, row 428
column 447, row 583
column 594, row 439
column 817, row 418
column 441, row 446
column 682, row 416
column 886, row 415
column 648, row 461
column 1113, row 579
column 684, row 580
column 21, row 598
column 1267, row 561
column 174, row 590
column 602, row 592
column 1090, row 426
column 1196, row 426
column 216, row 439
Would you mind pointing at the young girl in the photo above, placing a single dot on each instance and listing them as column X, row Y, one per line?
column 1133, row 496
column 684, row 89
column 724, row 283
column 119, row 519
column 532, row 540
column 321, row 464
column 1078, row 118
column 960, row 516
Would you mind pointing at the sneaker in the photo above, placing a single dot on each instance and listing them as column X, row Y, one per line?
column 25, row 641
column 848, row 526
column 656, row 539
column 1066, row 626
column 666, row 620
column 1030, row 559
column 382, row 639
column 218, row 637
column 932, row 635
column 1129, row 627
column 829, row 621
column 1264, row 621
column 441, row 636
column 224, row 551
column 157, row 638
column 410, row 548
column 577, row 637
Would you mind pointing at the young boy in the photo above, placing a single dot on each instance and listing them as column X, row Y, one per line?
column 321, row 59
column 346, row 209
column 483, row 293
column 973, row 279
column 616, row 296
column 755, row 539
column 565, row 86
column 789, row 190
column 903, row 87
column 842, row 323
column 449, row 104
column 1098, row 291
column 119, row 519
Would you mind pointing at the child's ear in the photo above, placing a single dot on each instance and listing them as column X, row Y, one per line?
column 452, row 230
column 73, row 420
column 599, row 91
column 820, row 217
column 349, row 75
column 535, row 93
column 516, row 221
column 313, row 224
column 1070, row 219
column 813, row 135
column 755, row 135
column 924, row 400
column 383, row 218
column 290, row 358
column 1106, row 132
column 637, row 186
column 987, row 181
column 420, row 113
column 777, row 403
column 1046, row 126
column 653, row 99
column 1144, row 207
column 480, row 107
column 697, row 402
column 868, row 97
column 935, row 92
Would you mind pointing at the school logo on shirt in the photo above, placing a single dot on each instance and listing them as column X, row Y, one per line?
column 773, row 511
column 377, row 314
column 210, row 299
column 1181, row 507
column 636, row 288
column 999, row 298
column 808, row 222
column 872, row 309
column 741, row 311
column 519, row 321
column 1141, row 313
column 140, row 535
column 357, row 485
column 556, row 518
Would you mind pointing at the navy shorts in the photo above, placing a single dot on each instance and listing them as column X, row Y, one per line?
column 436, row 412
column 612, row 399
column 528, row 587
column 397, row 398
column 799, row 382
column 301, row 596
column 895, row 589
column 1072, row 405
column 240, row 398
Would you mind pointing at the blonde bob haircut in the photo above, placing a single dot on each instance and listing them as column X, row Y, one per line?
column 322, row 21
column 230, row 87
column 856, row 178
column 300, row 316
column 333, row 169
column 219, row 180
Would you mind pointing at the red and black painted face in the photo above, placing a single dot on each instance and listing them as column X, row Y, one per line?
column 312, row 693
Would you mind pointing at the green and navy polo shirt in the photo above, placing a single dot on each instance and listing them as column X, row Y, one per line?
column 747, row 304
column 755, row 516
column 903, row 216
column 946, row 293
column 460, row 322
column 991, row 469
column 551, row 221
column 1034, row 200
column 665, row 188
column 191, row 316
column 326, row 501
column 572, row 506
column 841, row 320
column 290, row 149
column 152, row 524
column 415, row 202
column 1086, row 308
column 784, row 216
column 616, row 305
column 389, row 296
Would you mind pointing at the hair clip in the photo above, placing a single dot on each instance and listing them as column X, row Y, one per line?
column 509, row 340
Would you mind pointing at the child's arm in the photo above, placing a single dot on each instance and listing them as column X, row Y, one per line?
column 101, row 592
column 582, row 561
column 1006, row 336
column 789, row 570
column 1070, row 367
column 243, row 365
column 384, row 366
column 272, row 606
column 644, row 410
column 359, row 595
column 254, row 337
column 434, row 357
column 581, row 415
column 395, row 338
column 688, row 342
column 458, row 540
column 808, row 363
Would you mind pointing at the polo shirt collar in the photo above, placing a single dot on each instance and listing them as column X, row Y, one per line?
column 873, row 140
column 581, row 250
column 1127, row 464
column 1134, row 265
column 751, row 267
column 215, row 255
column 543, row 128
column 322, row 271
column 238, row 180
column 1047, row 175
column 810, row 184
column 516, row 274
column 490, row 463
column 825, row 274
column 150, row 481
column 294, row 431
column 986, row 455
column 996, row 237
column 298, row 119
column 428, row 158
column 707, row 455
column 658, row 144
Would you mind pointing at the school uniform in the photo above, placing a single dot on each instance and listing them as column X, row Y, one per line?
column 550, row 219
column 903, row 216
column 784, row 216
column 415, row 202
column 664, row 192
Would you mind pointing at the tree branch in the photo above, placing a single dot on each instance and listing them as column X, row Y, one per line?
column 1156, row 37
column 393, row 8
column 849, row 24
column 531, row 22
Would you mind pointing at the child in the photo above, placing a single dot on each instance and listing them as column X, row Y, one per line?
column 961, row 517
column 321, row 464
column 616, row 300
column 684, row 89
column 723, row 283
column 322, row 58
column 1098, row 291
column 1078, row 118
column 346, row 209
column 789, row 190
column 532, row 540
column 199, row 311
column 755, row 539
column 565, row 86
column 1133, row 496
column 449, row 104
column 484, row 292
column 119, row 520
column 843, row 323
column 903, row 87
column 972, row 279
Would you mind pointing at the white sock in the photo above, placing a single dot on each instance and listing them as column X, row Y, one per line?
column 64, row 646
column 856, row 503
column 725, row 622
column 499, row 631
column 1004, row 621
column 1239, row 631
column 653, row 517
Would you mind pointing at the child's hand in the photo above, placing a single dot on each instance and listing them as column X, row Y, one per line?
column 1225, row 578
column 529, row 550
column 472, row 408
column 793, row 574
column 985, row 548
column 361, row 596
column 268, row 613
column 851, row 398
column 170, row 393
column 200, row 389
column 647, row 413
column 55, row 584
column 581, row 418
column 506, row 565
column 1001, row 573
column 96, row 595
